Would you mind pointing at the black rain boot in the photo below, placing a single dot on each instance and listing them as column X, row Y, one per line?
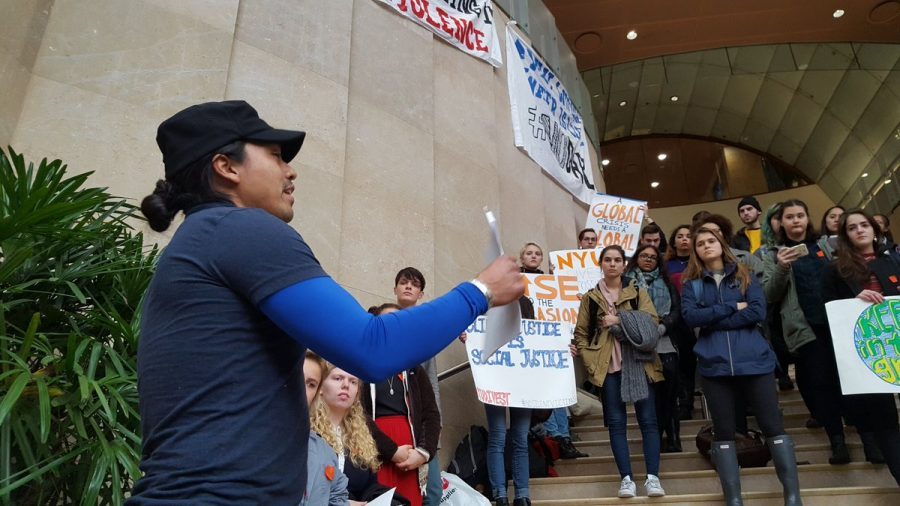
column 724, row 457
column 889, row 443
column 522, row 501
column 839, row 452
column 501, row 501
column 782, row 450
column 870, row 448
column 675, row 434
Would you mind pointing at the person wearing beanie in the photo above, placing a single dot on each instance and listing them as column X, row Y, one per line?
column 748, row 238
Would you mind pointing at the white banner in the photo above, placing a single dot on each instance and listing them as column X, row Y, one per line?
column 583, row 264
column 466, row 24
column 866, row 339
column 617, row 220
column 545, row 121
column 534, row 370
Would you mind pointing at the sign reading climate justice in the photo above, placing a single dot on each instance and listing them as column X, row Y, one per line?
column 534, row 370
column 866, row 340
column 466, row 24
column 617, row 220
column 545, row 121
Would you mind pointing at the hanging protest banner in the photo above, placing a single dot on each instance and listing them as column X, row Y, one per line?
column 583, row 264
column 545, row 121
column 534, row 370
column 866, row 339
column 466, row 24
column 617, row 220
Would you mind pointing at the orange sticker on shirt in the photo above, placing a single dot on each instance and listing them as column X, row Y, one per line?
column 893, row 279
column 329, row 472
column 820, row 254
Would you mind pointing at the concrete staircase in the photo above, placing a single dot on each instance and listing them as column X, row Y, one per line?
column 690, row 479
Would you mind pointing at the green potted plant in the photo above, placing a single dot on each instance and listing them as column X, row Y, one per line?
column 73, row 272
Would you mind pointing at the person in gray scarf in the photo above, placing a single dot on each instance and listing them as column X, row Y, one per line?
column 623, row 366
column 648, row 270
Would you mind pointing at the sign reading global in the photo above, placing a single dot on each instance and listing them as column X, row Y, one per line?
column 876, row 337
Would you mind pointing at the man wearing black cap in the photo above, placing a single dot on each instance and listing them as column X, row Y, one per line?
column 236, row 298
column 748, row 237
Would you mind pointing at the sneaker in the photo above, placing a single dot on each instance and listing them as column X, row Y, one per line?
column 627, row 488
column 652, row 486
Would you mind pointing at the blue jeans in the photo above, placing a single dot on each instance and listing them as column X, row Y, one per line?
column 617, row 421
column 558, row 423
column 520, row 422
column 434, row 488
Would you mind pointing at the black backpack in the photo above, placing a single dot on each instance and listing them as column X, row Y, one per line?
column 470, row 459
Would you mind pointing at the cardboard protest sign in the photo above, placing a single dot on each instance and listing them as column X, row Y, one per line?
column 617, row 220
column 468, row 26
column 555, row 298
column 546, row 123
column 866, row 339
column 534, row 370
column 584, row 264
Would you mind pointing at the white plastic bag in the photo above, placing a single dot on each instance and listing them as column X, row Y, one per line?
column 456, row 492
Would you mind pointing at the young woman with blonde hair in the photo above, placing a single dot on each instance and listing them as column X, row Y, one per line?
column 338, row 417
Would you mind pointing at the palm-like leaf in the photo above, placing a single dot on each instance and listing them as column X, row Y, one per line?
column 72, row 274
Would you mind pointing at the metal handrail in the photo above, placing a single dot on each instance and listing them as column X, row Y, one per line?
column 453, row 371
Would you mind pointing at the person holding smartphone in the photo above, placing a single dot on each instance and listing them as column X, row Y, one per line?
column 797, row 261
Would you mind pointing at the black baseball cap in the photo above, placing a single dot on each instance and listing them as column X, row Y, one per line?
column 200, row 129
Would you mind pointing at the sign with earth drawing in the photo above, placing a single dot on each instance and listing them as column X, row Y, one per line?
column 866, row 344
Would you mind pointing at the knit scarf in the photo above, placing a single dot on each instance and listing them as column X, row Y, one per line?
column 656, row 287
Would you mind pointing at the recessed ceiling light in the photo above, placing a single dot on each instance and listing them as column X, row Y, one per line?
column 597, row 95
column 605, row 162
column 631, row 35
column 887, row 181
column 864, row 174
column 674, row 98
column 661, row 156
column 838, row 13
column 623, row 103
column 654, row 184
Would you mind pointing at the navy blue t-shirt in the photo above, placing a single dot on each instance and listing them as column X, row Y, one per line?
column 222, row 400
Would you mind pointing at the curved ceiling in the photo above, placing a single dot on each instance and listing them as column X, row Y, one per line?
column 596, row 29
column 830, row 110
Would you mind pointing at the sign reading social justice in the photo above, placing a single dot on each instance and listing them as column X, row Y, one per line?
column 866, row 339
column 534, row 370
column 617, row 220
column 545, row 121
column 466, row 24
column 583, row 264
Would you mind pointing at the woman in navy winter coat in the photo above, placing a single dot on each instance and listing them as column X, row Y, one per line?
column 723, row 299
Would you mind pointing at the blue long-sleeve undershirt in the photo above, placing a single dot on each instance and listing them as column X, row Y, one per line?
column 322, row 316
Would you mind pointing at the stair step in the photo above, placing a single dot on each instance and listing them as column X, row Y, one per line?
column 870, row 496
column 760, row 479
column 600, row 447
column 690, row 460
column 689, row 428
column 788, row 407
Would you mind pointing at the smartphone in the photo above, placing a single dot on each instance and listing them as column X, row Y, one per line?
column 801, row 249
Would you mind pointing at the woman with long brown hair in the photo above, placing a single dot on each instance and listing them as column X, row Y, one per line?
column 798, row 261
column 866, row 269
column 726, row 302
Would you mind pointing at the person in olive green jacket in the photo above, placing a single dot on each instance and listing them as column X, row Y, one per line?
column 613, row 364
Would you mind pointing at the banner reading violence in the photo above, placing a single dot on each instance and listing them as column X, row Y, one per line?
column 617, row 220
column 582, row 264
column 534, row 370
column 866, row 340
column 466, row 24
column 545, row 121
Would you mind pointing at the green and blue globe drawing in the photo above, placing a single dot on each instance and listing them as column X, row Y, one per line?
column 876, row 337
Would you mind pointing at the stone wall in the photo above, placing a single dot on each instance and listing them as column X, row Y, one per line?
column 407, row 137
